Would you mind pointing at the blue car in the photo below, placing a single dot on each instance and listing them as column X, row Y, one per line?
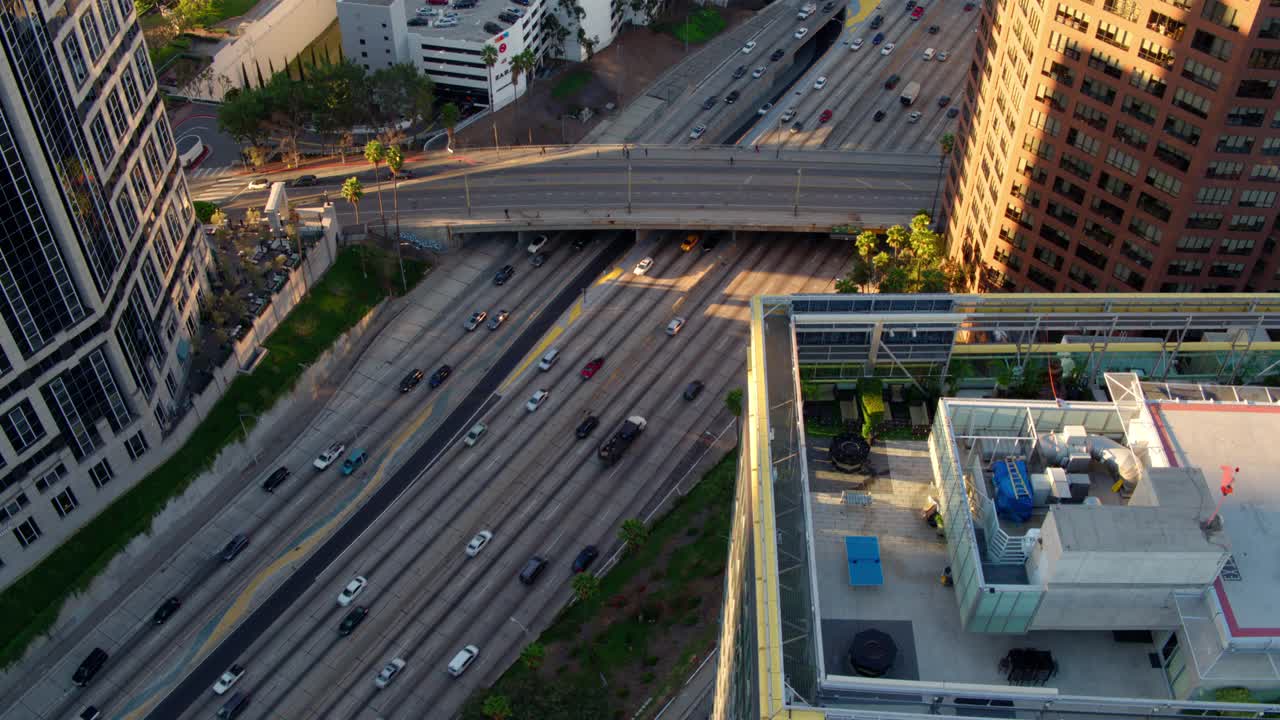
column 354, row 461
column 879, row 38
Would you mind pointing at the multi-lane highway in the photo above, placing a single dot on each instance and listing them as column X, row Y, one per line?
column 402, row 520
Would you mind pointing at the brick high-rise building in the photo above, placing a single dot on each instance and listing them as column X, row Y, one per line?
column 1120, row 145
column 101, row 269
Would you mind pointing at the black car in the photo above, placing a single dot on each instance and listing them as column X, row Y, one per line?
column 504, row 275
column 585, row 558
column 303, row 181
column 538, row 260
column 944, row 101
column 439, row 376
column 892, row 82
column 797, row 126
column 275, row 479
column 532, row 569
column 953, row 112
column 464, row 4
column 353, row 618
column 933, row 29
column 166, row 611
column 777, row 55
column 90, row 667
column 582, row 240
column 693, row 390
column 876, row 22
column 587, row 425
column 411, row 380
column 490, row 27
column 423, row 22
column 508, row 17
column 709, row 102
column 878, row 116
column 233, row 547
column 90, row 713
column 742, row 70
column 732, row 97
column 911, row 5
column 711, row 243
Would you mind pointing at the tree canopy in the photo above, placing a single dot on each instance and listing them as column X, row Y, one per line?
column 904, row 260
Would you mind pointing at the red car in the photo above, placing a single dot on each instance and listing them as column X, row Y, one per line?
column 968, row 7
column 592, row 368
column 917, row 13
column 825, row 116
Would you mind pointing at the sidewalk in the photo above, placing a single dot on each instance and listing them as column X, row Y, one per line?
column 213, row 491
column 696, row 699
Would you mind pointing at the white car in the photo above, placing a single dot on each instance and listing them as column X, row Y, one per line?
column 751, row 45
column 537, row 244
column 764, row 109
column 914, row 117
column 463, row 660
column 643, row 266
column 426, row 11
column 447, row 22
column 329, row 456
column 229, row 678
column 697, row 132
column 478, row 542
column 389, row 673
column 888, row 48
column 820, row 83
column 353, row 588
column 538, row 397
column 259, row 183
column 758, row 72
column 856, row 44
column 801, row 32
column 789, row 115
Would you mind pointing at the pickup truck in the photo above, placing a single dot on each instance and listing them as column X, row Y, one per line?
column 617, row 444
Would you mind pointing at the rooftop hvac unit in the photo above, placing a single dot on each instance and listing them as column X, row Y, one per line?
column 1076, row 437
column 1078, row 462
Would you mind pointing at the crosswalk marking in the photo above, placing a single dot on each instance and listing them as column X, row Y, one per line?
column 209, row 172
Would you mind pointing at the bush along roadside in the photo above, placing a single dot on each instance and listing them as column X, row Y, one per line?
column 650, row 620
column 360, row 278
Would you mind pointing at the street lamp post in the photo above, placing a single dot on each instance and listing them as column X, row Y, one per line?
column 520, row 625
column 796, row 206
column 466, row 184
column 628, row 188
column 937, row 188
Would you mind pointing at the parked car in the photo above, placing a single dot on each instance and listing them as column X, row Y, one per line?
column 411, row 380
column 591, row 368
column 388, row 673
column 233, row 547
column 329, row 456
column 438, row 377
column 697, row 131
column 354, row 461
column 90, row 712
column 492, row 28
column 589, row 423
column 304, row 181
column 496, row 321
column 475, row 320
column 828, row 7
column 352, row 589
column 693, row 390
column 535, row 401
column 585, row 558
column 166, row 610
column 275, row 479
column 228, row 679
column 352, row 620
column 478, row 542
column 504, row 275
column 643, row 266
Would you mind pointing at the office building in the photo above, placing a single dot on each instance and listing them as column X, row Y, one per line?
column 1119, row 145
column 1046, row 557
column 101, row 269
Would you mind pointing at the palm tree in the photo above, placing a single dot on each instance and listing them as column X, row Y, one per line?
column 449, row 116
column 496, row 707
column 395, row 161
column 520, row 64
column 375, row 152
column 352, row 191
column 633, row 533
column 489, row 55
column 532, row 655
column 585, row 586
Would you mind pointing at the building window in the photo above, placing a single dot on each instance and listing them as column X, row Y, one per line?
column 102, row 140
column 1154, row 206
column 1246, row 116
column 1127, row 276
column 136, row 446
column 146, row 77
column 75, row 59
column 1038, row 146
column 1268, row 173
column 1155, row 53
column 1263, row 59
column 128, row 215
column 150, row 278
column 1042, row 121
column 101, row 474
column 1137, row 253
column 1204, row 221
column 1081, row 141
column 50, row 478
column 1195, row 244
column 1227, row 270
column 64, row 502
column 1131, row 136
column 1237, row 246
column 92, row 38
column 141, row 184
column 1100, row 60
column 1139, row 109
column 1171, row 155
column 1113, row 35
column 28, row 532
column 1147, row 82
column 1213, row 196
column 115, row 110
column 1072, row 17
column 1165, row 25
column 1115, row 186
column 1185, row 268
column 1257, row 198
column 110, row 22
column 1164, row 181
column 1271, row 146
column 130, row 85
column 1220, row 13
column 1241, row 144
column 1261, row 89
column 1066, row 45
column 1191, row 102
column 1222, row 169
column 1098, row 90
column 1098, row 234
column 1211, row 45
column 1247, row 223
column 1123, row 161
column 1091, row 256
column 22, row 426
column 1092, row 117
column 1270, row 29
column 1080, row 168
column 1201, row 74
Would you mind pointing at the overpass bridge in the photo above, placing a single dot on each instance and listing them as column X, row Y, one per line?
column 642, row 187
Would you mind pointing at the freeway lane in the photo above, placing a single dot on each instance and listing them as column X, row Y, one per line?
column 196, row 684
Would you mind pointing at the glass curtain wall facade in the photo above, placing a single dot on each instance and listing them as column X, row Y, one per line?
column 102, row 270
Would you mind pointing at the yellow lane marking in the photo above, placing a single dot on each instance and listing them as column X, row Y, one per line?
column 536, row 352
column 611, row 275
